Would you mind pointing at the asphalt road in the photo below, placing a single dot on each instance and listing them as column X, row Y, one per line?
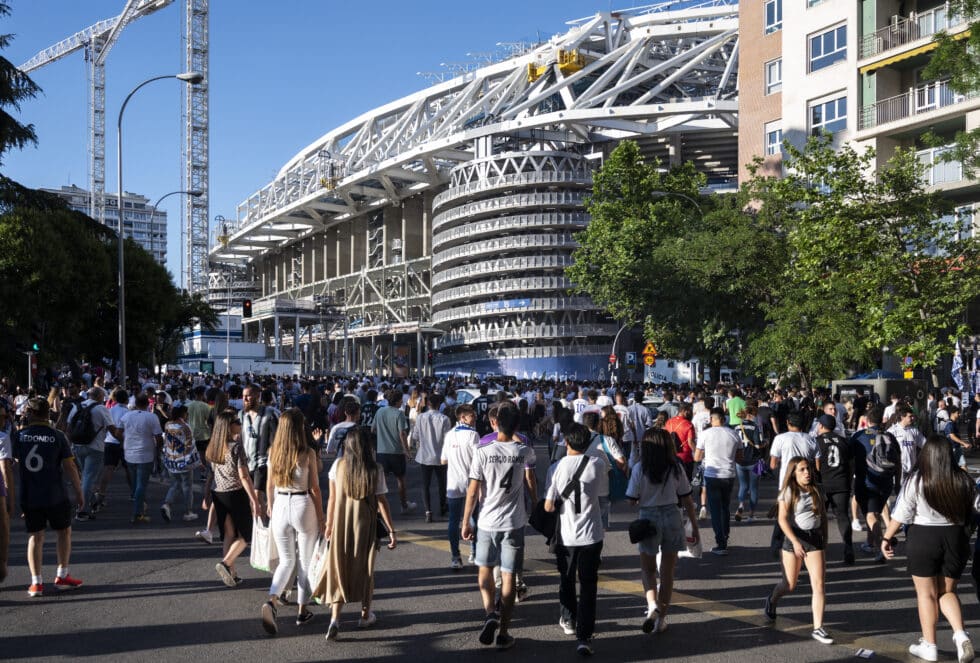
column 151, row 593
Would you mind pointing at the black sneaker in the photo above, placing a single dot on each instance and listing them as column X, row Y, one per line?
column 489, row 629
column 848, row 556
column 269, row 614
column 584, row 648
column 505, row 641
column 769, row 608
column 822, row 637
column 304, row 618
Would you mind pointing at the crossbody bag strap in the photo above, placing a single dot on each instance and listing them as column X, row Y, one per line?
column 574, row 485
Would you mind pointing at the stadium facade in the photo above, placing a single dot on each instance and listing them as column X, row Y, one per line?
column 433, row 233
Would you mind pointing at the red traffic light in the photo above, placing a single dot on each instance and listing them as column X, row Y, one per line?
column 247, row 308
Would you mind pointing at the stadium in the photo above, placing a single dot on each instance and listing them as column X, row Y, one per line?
column 432, row 234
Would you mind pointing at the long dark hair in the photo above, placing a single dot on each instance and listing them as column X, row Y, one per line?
column 945, row 486
column 360, row 465
column 657, row 455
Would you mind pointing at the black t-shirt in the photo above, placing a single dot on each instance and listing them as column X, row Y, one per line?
column 368, row 410
column 836, row 463
column 40, row 450
column 748, row 432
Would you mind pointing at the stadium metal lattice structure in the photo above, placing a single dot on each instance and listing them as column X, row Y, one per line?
column 651, row 71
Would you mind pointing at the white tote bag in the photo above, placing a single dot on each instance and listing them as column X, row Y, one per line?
column 265, row 555
column 318, row 564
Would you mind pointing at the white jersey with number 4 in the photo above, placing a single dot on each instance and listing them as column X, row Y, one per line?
column 500, row 466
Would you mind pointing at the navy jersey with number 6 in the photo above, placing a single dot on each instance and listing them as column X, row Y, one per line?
column 40, row 450
column 500, row 466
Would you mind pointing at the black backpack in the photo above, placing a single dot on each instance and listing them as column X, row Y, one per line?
column 81, row 429
column 885, row 457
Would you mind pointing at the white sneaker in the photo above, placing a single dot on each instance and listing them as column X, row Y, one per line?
column 857, row 525
column 205, row 536
column 456, row 564
column 964, row 649
column 368, row 622
column 409, row 507
column 703, row 513
column 567, row 626
column 927, row 651
column 190, row 516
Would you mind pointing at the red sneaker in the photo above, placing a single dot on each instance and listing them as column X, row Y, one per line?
column 66, row 583
column 35, row 590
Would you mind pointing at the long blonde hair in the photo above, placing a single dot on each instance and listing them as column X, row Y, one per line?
column 289, row 448
column 360, row 466
column 221, row 436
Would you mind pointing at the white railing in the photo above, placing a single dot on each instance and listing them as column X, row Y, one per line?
column 922, row 99
column 527, row 305
column 500, row 266
column 903, row 30
column 474, row 231
column 531, row 284
column 518, row 243
column 532, row 331
column 517, row 201
column 938, row 169
column 529, row 352
column 519, row 179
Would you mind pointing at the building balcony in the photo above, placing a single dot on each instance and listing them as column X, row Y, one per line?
column 904, row 31
column 915, row 101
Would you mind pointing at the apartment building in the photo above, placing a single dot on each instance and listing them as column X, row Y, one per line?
column 140, row 221
column 853, row 68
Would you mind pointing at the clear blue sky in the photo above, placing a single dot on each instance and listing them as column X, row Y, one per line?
column 283, row 73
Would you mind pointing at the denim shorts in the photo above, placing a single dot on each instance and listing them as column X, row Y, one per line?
column 670, row 530
column 505, row 548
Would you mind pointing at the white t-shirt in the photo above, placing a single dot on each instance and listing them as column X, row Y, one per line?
column 596, row 451
column 580, row 527
column 719, row 444
column 101, row 420
column 457, row 451
column 578, row 407
column 429, row 432
column 380, row 488
column 701, row 422
column 139, row 438
column 117, row 411
column 787, row 446
column 910, row 440
column 6, row 447
column 674, row 487
column 911, row 508
column 500, row 466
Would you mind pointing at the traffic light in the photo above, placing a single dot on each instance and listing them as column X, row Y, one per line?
column 247, row 308
column 429, row 357
column 36, row 336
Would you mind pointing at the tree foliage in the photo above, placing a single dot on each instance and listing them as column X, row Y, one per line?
column 15, row 86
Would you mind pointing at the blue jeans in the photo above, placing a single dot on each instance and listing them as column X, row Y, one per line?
column 720, row 508
column 90, row 464
column 181, row 483
column 748, row 482
column 456, row 507
column 141, row 477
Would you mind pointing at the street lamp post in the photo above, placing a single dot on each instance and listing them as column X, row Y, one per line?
column 194, row 193
column 680, row 195
column 193, row 78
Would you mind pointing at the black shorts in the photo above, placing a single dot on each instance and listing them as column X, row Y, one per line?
column 202, row 447
column 870, row 500
column 811, row 539
column 259, row 477
column 58, row 516
column 392, row 464
column 937, row 550
column 113, row 455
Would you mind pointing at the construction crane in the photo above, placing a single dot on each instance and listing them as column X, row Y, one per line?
column 96, row 41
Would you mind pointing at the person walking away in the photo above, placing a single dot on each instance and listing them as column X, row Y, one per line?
column 357, row 498
column 46, row 462
column 681, row 426
column 231, row 491
column 658, row 482
column 803, row 520
column 579, row 550
column 608, row 452
column 180, row 459
column 428, row 434
column 7, row 486
column 936, row 503
column 836, row 478
column 258, row 430
column 719, row 448
column 950, row 430
column 498, row 474
column 877, row 463
column 457, row 455
column 296, row 509
column 87, row 425
column 747, row 467
column 390, row 426
column 113, row 451
column 142, row 437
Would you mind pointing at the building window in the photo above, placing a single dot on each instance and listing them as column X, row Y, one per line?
column 813, row 3
column 774, row 76
column 774, row 138
column 828, row 47
column 774, row 15
column 829, row 116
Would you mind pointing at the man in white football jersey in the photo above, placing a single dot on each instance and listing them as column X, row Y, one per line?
column 498, row 474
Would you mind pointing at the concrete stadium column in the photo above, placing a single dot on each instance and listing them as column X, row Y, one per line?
column 426, row 223
column 415, row 232
column 297, row 352
column 275, row 332
column 419, row 352
column 674, row 154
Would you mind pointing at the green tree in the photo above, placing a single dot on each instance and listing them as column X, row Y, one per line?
column 188, row 310
column 15, row 86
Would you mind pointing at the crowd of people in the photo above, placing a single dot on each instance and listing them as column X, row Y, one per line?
column 309, row 463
